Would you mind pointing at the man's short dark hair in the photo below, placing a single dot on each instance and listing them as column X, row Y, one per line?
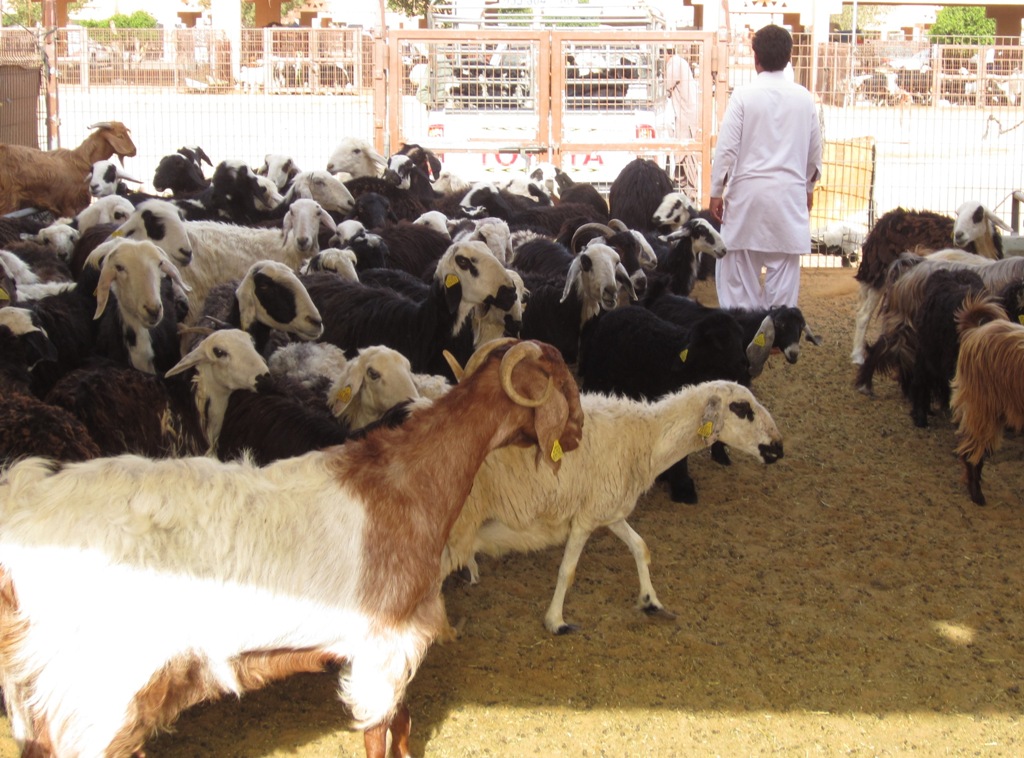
column 773, row 46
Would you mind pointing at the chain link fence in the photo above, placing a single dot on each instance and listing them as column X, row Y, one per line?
column 907, row 124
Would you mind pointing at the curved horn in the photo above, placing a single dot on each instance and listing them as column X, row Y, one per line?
column 476, row 360
column 618, row 225
column 513, row 358
column 606, row 232
column 101, row 125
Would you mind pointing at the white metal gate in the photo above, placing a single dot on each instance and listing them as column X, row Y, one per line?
column 586, row 101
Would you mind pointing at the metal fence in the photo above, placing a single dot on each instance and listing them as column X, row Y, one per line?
column 911, row 124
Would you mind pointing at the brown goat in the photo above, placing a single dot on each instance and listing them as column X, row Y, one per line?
column 55, row 180
column 987, row 393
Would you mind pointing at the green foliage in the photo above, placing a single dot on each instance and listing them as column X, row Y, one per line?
column 959, row 25
column 868, row 16
column 28, row 13
column 411, row 8
column 137, row 20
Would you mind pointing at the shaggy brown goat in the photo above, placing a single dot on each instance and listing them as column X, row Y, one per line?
column 922, row 232
column 987, row 395
column 55, row 180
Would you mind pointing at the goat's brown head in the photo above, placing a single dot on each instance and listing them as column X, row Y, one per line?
column 533, row 374
column 117, row 137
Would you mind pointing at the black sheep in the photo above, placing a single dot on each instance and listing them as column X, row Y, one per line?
column 636, row 193
column 634, row 352
column 29, row 426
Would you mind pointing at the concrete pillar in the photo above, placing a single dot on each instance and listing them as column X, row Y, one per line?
column 1008, row 19
column 267, row 12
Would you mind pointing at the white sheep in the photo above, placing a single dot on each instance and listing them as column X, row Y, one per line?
column 280, row 169
column 376, row 379
column 58, row 237
column 341, row 261
column 435, row 220
column 224, row 252
column 321, row 186
column 111, row 209
column 134, row 272
column 356, row 157
column 516, row 506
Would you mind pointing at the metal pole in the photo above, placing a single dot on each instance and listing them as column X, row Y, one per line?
column 50, row 72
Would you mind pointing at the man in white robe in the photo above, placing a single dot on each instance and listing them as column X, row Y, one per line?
column 767, row 160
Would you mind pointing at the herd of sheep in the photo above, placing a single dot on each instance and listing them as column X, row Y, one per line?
column 277, row 407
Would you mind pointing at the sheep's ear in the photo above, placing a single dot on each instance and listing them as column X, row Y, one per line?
column 172, row 271
column 246, row 296
column 103, row 289
column 760, row 346
column 711, row 421
column 345, row 388
column 327, row 220
column 575, row 272
column 189, row 361
column 549, row 422
column 811, row 336
column 997, row 221
column 286, row 225
column 683, row 231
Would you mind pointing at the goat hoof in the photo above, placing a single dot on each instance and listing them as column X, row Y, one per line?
column 567, row 629
column 659, row 613
column 866, row 390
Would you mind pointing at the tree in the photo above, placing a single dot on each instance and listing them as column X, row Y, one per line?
column 137, row 20
column 868, row 16
column 27, row 12
column 411, row 8
column 959, row 25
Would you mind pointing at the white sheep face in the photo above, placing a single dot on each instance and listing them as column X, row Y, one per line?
column 356, row 157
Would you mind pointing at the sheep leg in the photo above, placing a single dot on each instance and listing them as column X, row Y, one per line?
column 973, row 475
column 720, row 453
column 566, row 575
column 648, row 602
column 868, row 299
column 680, row 485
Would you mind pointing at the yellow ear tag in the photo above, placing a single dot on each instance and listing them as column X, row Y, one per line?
column 1020, row 318
column 705, row 429
column 450, row 281
column 4, row 294
column 759, row 339
column 344, row 394
column 556, row 452
column 117, row 233
column 682, row 355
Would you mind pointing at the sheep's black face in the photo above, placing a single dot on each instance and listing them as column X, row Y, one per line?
column 512, row 326
column 278, row 301
column 156, row 229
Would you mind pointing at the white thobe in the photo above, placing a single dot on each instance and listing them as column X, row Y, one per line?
column 767, row 161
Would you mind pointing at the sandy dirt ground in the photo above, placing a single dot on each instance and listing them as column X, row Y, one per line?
column 849, row 600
